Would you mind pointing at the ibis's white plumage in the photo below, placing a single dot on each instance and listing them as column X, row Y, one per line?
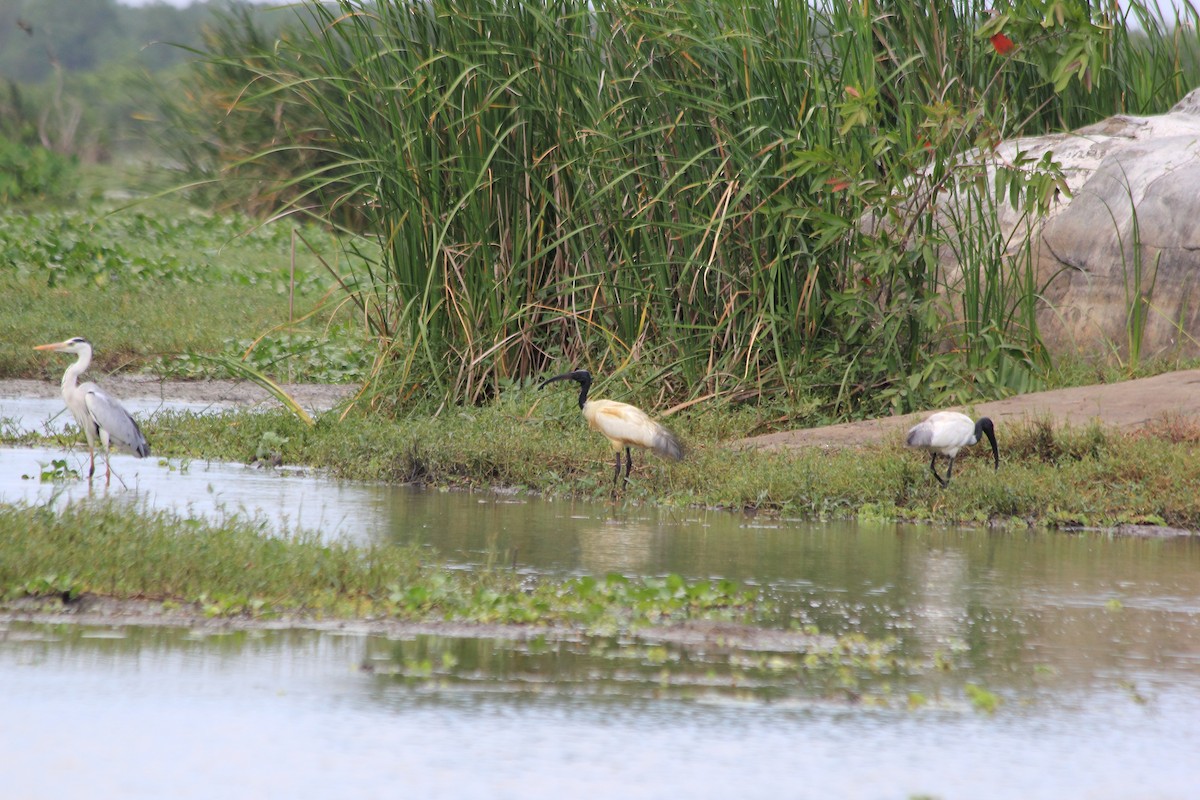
column 947, row 432
column 624, row 426
column 98, row 413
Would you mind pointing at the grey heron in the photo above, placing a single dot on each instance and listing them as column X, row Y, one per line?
column 623, row 425
column 98, row 413
column 947, row 432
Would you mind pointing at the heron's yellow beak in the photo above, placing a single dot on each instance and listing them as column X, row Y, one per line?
column 55, row 346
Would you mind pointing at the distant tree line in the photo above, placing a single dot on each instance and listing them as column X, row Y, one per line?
column 81, row 77
column 36, row 36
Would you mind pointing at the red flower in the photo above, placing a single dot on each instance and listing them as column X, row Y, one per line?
column 1002, row 43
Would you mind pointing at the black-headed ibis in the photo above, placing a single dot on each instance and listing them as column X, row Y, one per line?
column 947, row 432
column 624, row 426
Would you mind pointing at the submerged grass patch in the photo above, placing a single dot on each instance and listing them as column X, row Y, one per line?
column 238, row 567
column 51, row 559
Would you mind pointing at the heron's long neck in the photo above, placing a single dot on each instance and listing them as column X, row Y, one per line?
column 72, row 373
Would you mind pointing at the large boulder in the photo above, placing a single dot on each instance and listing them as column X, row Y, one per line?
column 1130, row 225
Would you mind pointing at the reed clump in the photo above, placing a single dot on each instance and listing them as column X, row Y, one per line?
column 712, row 201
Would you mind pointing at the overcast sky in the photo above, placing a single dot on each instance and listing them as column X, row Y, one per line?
column 182, row 3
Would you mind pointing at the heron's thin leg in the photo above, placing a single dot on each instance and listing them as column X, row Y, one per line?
column 628, row 462
column 92, row 460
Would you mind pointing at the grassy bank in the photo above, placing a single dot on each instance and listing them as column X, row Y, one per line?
column 167, row 291
column 170, row 295
column 103, row 560
column 1048, row 476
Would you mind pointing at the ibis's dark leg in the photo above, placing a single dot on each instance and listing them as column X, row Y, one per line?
column 617, row 472
column 949, row 471
column 628, row 463
column 933, row 469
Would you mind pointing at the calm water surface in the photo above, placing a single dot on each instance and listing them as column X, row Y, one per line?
column 1091, row 644
column 157, row 714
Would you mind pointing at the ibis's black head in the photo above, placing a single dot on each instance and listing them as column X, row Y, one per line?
column 582, row 376
column 984, row 427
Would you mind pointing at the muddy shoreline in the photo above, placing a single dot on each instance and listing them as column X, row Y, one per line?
column 312, row 396
column 1126, row 405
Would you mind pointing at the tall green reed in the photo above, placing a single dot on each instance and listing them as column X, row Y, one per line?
column 675, row 193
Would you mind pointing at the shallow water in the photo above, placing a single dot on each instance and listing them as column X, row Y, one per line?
column 1091, row 644
column 161, row 713
column 288, row 500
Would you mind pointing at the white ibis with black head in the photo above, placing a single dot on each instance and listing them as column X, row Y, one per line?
column 947, row 432
column 98, row 413
column 625, row 426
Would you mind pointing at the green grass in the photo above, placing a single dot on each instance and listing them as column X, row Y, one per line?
column 50, row 561
column 156, row 286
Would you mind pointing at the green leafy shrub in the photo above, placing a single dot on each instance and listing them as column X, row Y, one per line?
column 29, row 173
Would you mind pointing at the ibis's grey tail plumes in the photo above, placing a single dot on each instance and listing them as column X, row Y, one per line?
column 666, row 445
column 919, row 436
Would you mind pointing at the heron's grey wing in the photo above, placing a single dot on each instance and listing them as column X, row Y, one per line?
column 112, row 417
